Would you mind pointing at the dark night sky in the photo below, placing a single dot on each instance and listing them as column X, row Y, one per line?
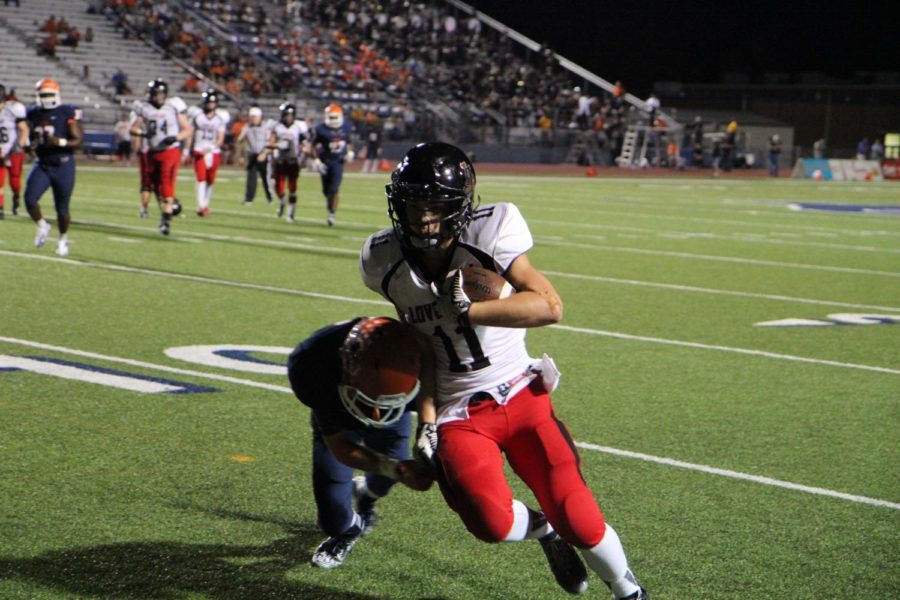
column 698, row 40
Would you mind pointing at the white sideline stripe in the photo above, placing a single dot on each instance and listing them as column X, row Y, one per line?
column 690, row 288
column 738, row 475
column 144, row 365
column 790, row 357
column 198, row 278
column 730, row 259
column 317, row 295
column 587, row 446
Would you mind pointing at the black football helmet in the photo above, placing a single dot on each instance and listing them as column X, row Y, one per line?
column 288, row 113
column 210, row 100
column 157, row 92
column 436, row 174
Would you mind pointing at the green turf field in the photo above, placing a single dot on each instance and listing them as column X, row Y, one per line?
column 735, row 460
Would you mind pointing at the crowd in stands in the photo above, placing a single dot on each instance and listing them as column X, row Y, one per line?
column 59, row 32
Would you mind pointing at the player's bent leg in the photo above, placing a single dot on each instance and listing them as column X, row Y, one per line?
column 473, row 483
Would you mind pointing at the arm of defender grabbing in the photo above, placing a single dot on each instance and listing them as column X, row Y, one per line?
column 359, row 457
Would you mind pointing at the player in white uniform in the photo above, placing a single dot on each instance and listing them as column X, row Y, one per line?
column 13, row 128
column 209, row 135
column 290, row 141
column 492, row 399
column 164, row 124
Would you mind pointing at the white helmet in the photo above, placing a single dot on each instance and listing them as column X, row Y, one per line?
column 334, row 116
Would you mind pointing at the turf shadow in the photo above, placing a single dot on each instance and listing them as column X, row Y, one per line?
column 171, row 570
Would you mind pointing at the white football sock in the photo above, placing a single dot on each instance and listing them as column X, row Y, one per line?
column 527, row 524
column 201, row 194
column 209, row 188
column 607, row 559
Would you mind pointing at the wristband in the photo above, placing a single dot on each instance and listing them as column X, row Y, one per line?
column 62, row 142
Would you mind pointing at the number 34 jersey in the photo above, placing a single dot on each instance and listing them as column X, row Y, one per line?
column 469, row 359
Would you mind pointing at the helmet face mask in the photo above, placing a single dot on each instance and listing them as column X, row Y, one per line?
column 210, row 101
column 334, row 116
column 288, row 113
column 380, row 360
column 47, row 94
column 431, row 196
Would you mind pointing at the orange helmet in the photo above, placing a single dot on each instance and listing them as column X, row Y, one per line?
column 334, row 116
column 381, row 361
column 47, row 93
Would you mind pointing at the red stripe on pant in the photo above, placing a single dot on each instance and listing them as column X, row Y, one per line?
column 541, row 452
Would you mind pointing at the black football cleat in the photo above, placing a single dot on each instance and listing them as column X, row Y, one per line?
column 566, row 565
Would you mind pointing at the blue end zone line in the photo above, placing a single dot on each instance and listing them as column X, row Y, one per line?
column 584, row 445
column 374, row 302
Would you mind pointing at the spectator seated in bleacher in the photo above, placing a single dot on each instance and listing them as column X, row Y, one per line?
column 48, row 45
column 119, row 82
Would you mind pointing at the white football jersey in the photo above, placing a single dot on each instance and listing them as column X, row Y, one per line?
column 469, row 360
column 206, row 132
column 12, row 113
column 293, row 135
column 162, row 122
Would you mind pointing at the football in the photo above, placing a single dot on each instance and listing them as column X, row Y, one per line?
column 482, row 284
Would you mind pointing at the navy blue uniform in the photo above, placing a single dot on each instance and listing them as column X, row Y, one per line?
column 373, row 141
column 55, row 165
column 331, row 149
column 314, row 370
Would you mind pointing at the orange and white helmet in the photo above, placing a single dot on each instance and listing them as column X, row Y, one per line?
column 380, row 360
column 47, row 93
column 334, row 116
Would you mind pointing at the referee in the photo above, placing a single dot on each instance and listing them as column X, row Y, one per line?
column 256, row 134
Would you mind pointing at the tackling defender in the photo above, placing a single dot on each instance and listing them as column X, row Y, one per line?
column 359, row 378
column 492, row 399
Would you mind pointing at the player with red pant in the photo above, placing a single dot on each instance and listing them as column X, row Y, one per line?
column 206, row 148
column 163, row 122
column 13, row 132
column 289, row 141
column 492, row 399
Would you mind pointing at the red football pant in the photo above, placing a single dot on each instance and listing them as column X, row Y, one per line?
column 2, row 183
column 540, row 451
column 164, row 170
column 286, row 173
column 146, row 171
column 206, row 172
column 16, row 161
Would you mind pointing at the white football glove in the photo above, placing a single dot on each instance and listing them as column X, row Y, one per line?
column 350, row 156
column 427, row 441
column 319, row 167
column 453, row 302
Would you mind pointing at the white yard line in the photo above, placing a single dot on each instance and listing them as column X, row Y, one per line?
column 747, row 351
column 713, row 257
column 702, row 290
column 321, row 296
column 671, row 462
column 587, row 446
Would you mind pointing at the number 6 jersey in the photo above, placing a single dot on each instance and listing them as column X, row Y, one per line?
column 468, row 359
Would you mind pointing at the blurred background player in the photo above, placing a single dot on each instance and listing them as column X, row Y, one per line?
column 54, row 135
column 141, row 148
column 13, row 130
column 206, row 149
column 288, row 139
column 164, row 123
column 372, row 135
column 360, row 378
column 332, row 147
column 255, row 135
